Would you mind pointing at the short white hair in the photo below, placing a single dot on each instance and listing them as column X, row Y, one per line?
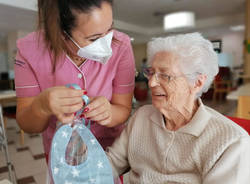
column 195, row 53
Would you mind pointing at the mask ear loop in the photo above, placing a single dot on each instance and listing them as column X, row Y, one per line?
column 72, row 39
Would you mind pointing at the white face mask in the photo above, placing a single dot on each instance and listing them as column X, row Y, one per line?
column 100, row 50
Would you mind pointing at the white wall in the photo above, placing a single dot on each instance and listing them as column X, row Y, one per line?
column 21, row 34
column 232, row 43
column 3, row 57
column 139, row 53
column 12, row 38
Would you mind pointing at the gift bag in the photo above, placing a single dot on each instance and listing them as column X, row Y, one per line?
column 76, row 156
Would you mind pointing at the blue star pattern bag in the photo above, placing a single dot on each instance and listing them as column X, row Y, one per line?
column 76, row 156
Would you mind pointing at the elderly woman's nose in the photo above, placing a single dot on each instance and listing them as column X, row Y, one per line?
column 153, row 81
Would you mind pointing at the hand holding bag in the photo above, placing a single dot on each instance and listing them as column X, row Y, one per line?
column 94, row 168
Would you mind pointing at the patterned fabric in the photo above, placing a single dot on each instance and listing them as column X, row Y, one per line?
column 95, row 169
column 210, row 149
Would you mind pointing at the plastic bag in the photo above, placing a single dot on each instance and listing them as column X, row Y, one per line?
column 77, row 150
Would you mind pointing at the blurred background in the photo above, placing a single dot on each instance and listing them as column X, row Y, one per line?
column 224, row 22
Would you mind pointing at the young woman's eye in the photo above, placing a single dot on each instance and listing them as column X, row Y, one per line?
column 92, row 40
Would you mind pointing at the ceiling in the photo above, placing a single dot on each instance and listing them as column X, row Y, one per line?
column 142, row 12
column 145, row 17
column 141, row 19
column 12, row 18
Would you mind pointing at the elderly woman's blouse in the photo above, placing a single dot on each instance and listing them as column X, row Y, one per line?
column 210, row 149
column 33, row 74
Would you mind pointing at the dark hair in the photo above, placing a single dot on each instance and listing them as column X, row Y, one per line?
column 57, row 16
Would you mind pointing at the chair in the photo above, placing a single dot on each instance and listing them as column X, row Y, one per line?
column 4, row 147
column 221, row 88
column 243, row 107
column 244, row 123
column 222, row 83
column 10, row 112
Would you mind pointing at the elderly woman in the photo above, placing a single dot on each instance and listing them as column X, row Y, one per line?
column 179, row 140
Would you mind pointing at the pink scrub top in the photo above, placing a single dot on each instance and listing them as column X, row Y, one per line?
column 33, row 74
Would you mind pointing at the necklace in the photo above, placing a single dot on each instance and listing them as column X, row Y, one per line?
column 79, row 59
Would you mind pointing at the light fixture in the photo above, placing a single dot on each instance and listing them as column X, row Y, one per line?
column 179, row 20
column 238, row 28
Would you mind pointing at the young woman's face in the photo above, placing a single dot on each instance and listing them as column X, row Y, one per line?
column 91, row 26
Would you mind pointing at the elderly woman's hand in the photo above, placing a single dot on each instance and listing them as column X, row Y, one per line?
column 99, row 110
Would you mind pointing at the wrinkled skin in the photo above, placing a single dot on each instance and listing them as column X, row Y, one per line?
column 175, row 99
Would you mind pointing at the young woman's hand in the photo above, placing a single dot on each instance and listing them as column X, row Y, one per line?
column 99, row 110
column 62, row 102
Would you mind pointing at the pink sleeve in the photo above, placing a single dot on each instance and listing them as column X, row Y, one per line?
column 26, row 84
column 124, row 81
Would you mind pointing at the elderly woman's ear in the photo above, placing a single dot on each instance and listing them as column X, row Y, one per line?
column 199, row 83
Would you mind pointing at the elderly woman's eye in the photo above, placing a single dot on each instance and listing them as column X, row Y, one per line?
column 151, row 72
column 148, row 72
column 164, row 76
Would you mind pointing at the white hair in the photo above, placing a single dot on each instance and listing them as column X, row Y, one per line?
column 195, row 54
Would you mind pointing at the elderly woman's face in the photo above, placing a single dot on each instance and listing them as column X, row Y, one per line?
column 173, row 92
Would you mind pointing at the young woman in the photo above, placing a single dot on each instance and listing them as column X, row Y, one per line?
column 75, row 43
